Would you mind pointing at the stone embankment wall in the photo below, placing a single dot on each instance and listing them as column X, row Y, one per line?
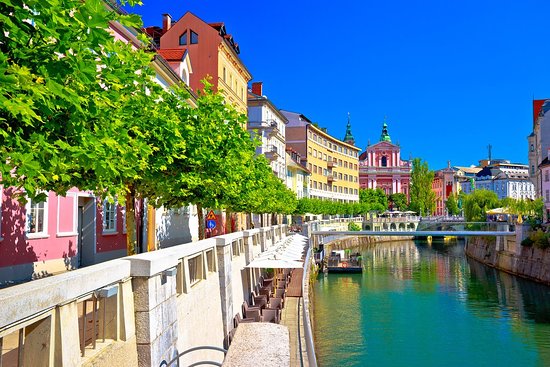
column 360, row 241
column 508, row 255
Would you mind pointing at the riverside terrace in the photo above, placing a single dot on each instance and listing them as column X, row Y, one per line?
column 145, row 309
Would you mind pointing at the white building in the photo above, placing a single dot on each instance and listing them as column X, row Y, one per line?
column 506, row 180
column 297, row 176
column 266, row 123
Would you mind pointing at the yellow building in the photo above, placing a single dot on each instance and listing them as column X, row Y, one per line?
column 334, row 164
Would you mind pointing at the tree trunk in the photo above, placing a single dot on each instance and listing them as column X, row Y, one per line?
column 249, row 223
column 202, row 231
column 131, row 240
column 228, row 223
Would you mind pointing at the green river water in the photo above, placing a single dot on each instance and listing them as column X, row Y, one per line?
column 420, row 304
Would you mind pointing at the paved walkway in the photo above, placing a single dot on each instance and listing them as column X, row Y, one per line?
column 294, row 288
column 292, row 318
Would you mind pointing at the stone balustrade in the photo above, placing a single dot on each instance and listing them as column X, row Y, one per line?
column 138, row 310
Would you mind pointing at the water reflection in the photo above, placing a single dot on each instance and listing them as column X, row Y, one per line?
column 421, row 303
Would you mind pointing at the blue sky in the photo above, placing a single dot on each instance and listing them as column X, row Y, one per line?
column 452, row 77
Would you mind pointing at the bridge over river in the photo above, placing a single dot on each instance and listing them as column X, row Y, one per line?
column 434, row 229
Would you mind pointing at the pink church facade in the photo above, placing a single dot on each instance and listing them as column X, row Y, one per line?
column 381, row 166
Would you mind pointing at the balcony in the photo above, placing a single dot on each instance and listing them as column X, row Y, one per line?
column 274, row 132
column 332, row 164
column 272, row 153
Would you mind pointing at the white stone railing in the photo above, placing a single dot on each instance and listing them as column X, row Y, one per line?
column 143, row 309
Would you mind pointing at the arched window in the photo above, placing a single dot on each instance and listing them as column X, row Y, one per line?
column 384, row 161
column 183, row 39
column 532, row 148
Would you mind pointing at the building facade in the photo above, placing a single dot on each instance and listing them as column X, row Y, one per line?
column 506, row 180
column 333, row 163
column 544, row 169
column 444, row 185
column 381, row 166
column 212, row 51
column 297, row 176
column 268, row 125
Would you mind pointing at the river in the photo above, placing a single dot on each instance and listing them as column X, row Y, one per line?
column 421, row 304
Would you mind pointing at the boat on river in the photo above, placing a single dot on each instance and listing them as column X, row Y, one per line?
column 341, row 262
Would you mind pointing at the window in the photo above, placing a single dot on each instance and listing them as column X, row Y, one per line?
column 546, row 176
column 345, row 177
column 183, row 39
column 355, row 191
column 345, row 190
column 194, row 38
column 309, row 166
column 384, row 162
column 314, row 153
column 314, row 184
column 324, row 157
column 325, row 187
column 339, row 163
column 109, row 216
column 547, row 196
column 532, row 148
column 310, row 151
column 345, row 164
column 37, row 218
column 532, row 170
column 314, row 169
column 224, row 74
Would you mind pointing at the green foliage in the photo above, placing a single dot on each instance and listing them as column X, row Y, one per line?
column 452, row 205
column 399, row 201
column 533, row 209
column 421, row 194
column 73, row 101
column 375, row 199
column 477, row 203
column 539, row 238
column 80, row 109
column 353, row 226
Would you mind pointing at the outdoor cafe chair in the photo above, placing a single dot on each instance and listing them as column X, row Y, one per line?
column 251, row 311
column 271, row 315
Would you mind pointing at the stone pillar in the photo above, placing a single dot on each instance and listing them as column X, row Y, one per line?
column 38, row 343
column 248, row 245
column 225, row 268
column 522, row 232
column 67, row 340
column 155, row 316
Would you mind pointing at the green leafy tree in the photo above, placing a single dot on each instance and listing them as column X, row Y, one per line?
column 353, row 226
column 452, row 205
column 376, row 199
column 399, row 201
column 421, row 193
column 477, row 203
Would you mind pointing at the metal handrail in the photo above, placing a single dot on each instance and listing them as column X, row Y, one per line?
column 177, row 358
column 310, row 347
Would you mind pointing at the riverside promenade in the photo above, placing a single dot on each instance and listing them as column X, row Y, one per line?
column 148, row 308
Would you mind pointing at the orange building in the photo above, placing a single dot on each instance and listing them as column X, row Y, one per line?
column 212, row 52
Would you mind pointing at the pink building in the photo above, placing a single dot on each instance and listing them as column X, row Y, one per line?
column 381, row 166
column 60, row 234
column 544, row 167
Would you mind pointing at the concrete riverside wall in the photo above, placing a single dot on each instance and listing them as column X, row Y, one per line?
column 150, row 307
column 508, row 255
column 348, row 242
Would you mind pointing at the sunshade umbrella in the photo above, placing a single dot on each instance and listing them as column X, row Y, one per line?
column 275, row 264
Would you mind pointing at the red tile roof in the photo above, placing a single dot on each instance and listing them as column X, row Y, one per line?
column 172, row 54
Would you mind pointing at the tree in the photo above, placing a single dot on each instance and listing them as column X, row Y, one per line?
column 422, row 196
column 452, row 205
column 376, row 199
column 477, row 203
column 399, row 201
